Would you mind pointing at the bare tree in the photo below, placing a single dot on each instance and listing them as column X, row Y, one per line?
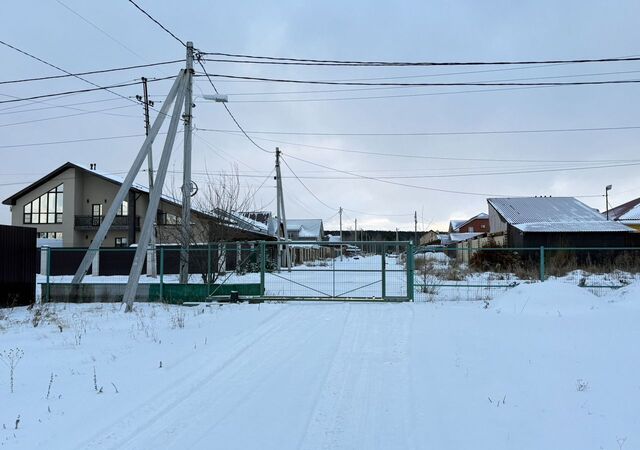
column 216, row 220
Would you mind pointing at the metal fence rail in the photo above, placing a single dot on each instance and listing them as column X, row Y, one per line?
column 357, row 270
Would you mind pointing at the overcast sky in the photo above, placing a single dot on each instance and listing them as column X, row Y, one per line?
column 361, row 30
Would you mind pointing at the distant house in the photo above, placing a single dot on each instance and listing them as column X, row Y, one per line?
column 627, row 214
column 477, row 224
column 67, row 206
column 431, row 237
column 305, row 229
column 555, row 222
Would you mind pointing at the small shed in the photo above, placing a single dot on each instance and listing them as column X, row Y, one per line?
column 555, row 222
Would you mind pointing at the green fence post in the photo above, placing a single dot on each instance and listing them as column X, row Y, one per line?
column 541, row 263
column 410, row 273
column 161, row 273
column 209, row 277
column 384, row 273
column 48, row 273
column 263, row 265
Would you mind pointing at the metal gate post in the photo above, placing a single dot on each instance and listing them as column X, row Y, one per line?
column 263, row 265
column 542, row 263
column 384, row 272
column 48, row 272
column 209, row 277
column 410, row 272
column 161, row 273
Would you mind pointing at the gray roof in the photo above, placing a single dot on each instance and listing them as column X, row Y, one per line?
column 459, row 237
column 553, row 214
column 572, row 227
column 306, row 228
column 633, row 215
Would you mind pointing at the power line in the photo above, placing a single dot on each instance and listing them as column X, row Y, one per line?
column 82, row 113
column 229, row 111
column 440, row 158
column 78, row 91
column 426, row 188
column 158, row 23
column 73, row 141
column 433, row 133
column 306, row 187
column 91, row 72
column 69, row 105
column 65, row 71
column 449, row 84
column 322, row 91
column 282, row 60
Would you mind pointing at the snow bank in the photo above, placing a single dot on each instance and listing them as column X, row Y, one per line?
column 548, row 298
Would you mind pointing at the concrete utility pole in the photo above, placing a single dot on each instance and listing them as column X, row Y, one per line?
column 415, row 228
column 176, row 93
column 340, row 212
column 152, row 269
column 397, row 240
column 187, row 185
column 282, row 216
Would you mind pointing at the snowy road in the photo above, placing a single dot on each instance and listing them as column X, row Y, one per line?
column 319, row 377
column 545, row 366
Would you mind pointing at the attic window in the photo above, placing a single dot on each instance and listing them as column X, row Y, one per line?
column 45, row 209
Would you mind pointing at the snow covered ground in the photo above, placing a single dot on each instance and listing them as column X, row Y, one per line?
column 546, row 365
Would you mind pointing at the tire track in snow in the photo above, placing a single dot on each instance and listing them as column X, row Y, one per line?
column 182, row 389
column 366, row 399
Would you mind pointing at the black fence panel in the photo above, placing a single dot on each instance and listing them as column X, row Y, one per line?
column 17, row 266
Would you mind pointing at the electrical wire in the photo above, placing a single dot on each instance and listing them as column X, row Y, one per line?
column 65, row 71
column 420, row 63
column 82, row 113
column 436, row 158
column 426, row 188
column 229, row 111
column 321, row 91
column 110, row 36
column 449, row 84
column 79, row 91
column 434, row 133
column 157, row 23
column 306, row 187
column 91, row 72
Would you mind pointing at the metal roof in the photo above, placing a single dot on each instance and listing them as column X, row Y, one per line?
column 307, row 228
column 632, row 214
column 553, row 214
column 572, row 227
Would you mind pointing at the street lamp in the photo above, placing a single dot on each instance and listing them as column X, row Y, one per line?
column 606, row 195
column 218, row 98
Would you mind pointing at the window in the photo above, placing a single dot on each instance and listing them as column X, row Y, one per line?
column 121, row 242
column 470, row 229
column 96, row 214
column 123, row 210
column 50, row 235
column 165, row 218
column 45, row 209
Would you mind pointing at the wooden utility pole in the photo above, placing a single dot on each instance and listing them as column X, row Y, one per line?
column 152, row 269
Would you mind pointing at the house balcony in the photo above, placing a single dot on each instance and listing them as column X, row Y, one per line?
column 92, row 223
